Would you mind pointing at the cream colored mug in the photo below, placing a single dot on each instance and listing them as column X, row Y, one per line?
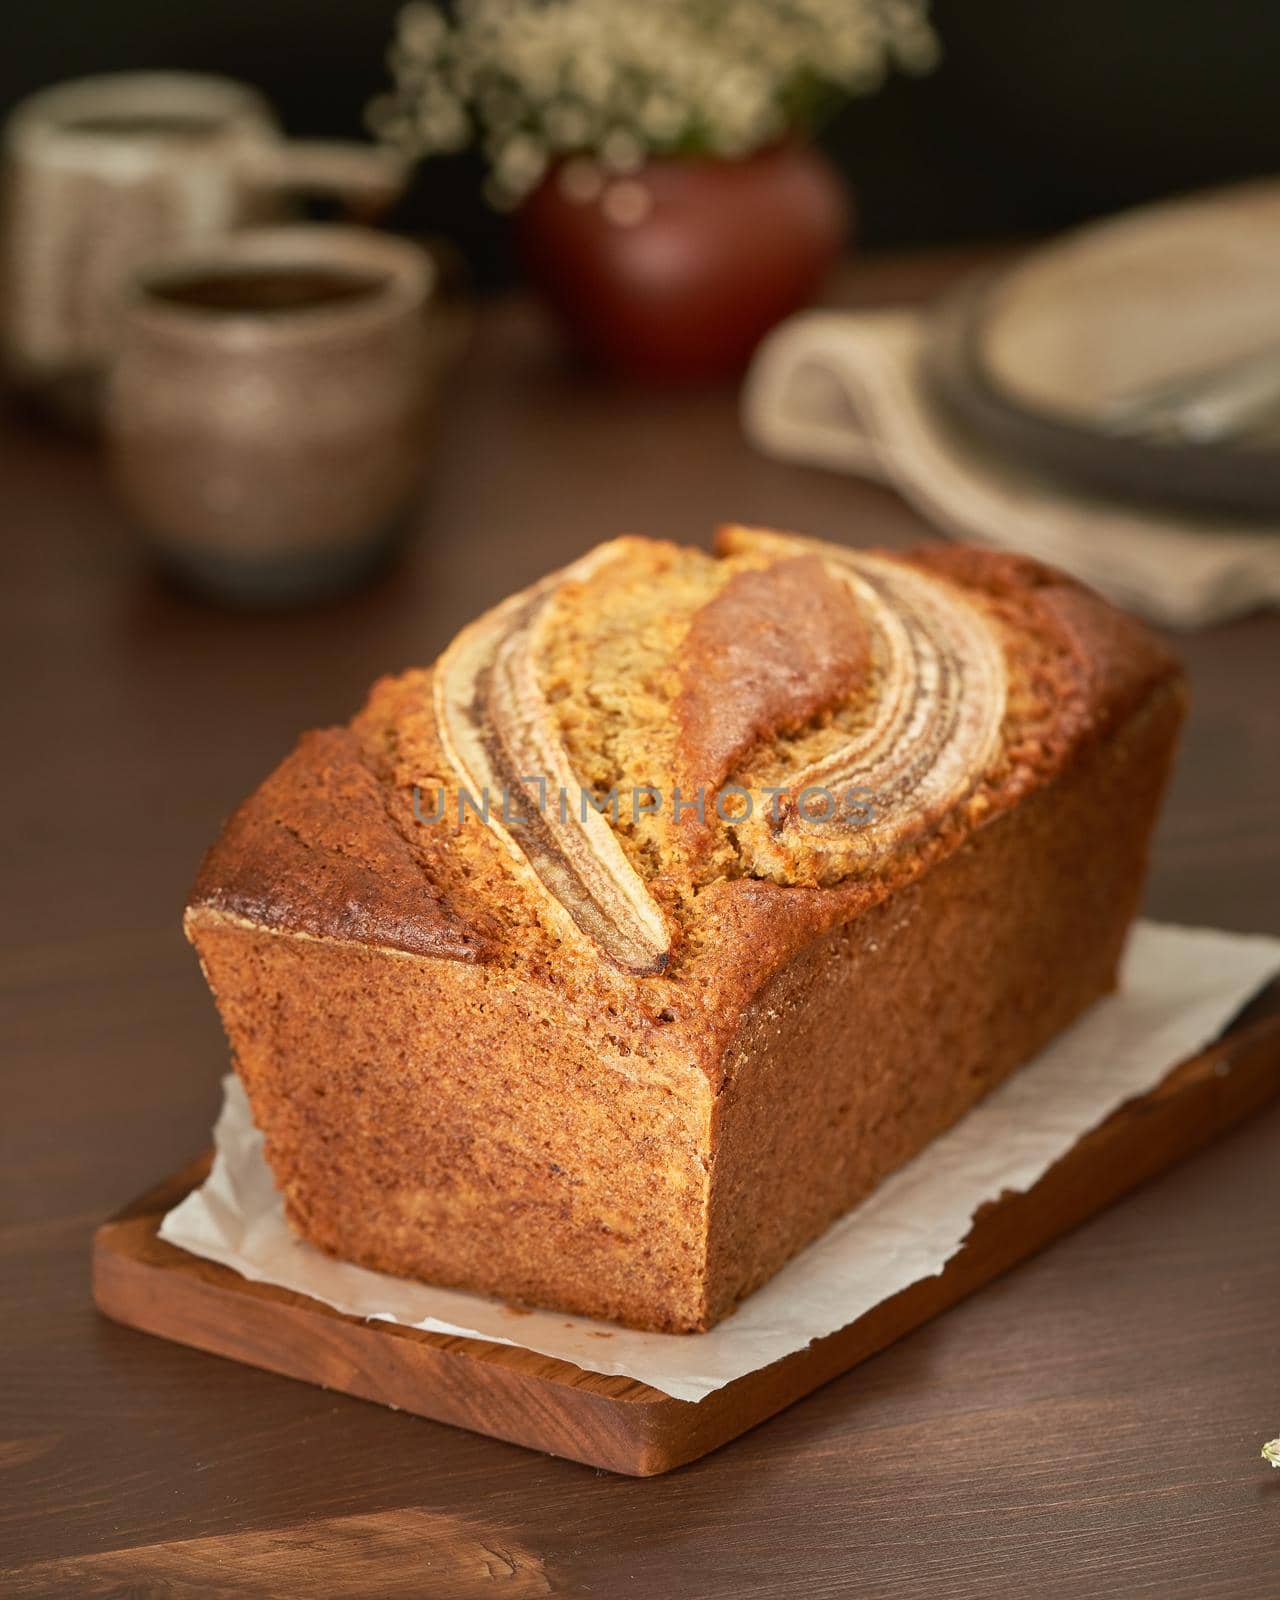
column 103, row 174
column 266, row 415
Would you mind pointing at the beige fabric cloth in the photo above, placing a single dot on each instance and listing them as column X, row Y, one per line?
column 843, row 390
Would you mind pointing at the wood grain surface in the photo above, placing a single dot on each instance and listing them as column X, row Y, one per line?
column 622, row 1424
column 1087, row 1425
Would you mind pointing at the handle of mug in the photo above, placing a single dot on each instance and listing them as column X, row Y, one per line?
column 365, row 178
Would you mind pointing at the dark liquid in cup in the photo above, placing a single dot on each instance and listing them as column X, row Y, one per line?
column 144, row 125
column 268, row 291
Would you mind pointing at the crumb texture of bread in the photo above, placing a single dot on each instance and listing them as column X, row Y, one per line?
column 462, row 1069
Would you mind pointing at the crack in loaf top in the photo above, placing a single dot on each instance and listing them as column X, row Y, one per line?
column 787, row 710
column 941, row 685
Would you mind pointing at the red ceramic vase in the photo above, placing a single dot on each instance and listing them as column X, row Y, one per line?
column 673, row 275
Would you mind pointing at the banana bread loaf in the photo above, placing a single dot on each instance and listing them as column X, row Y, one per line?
column 606, row 963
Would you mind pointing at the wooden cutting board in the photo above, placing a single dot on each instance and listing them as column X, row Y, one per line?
column 618, row 1423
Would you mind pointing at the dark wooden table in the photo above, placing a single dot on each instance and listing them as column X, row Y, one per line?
column 1089, row 1425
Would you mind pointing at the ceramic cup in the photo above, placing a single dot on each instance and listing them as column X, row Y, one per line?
column 266, row 413
column 102, row 174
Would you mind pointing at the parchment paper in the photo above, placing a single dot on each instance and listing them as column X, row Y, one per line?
column 1180, row 987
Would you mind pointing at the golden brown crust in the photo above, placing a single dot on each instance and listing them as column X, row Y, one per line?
column 316, row 851
column 455, row 1082
column 770, row 651
column 332, row 843
column 1094, row 664
column 948, row 985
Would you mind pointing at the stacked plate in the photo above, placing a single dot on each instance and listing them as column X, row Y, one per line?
column 1140, row 355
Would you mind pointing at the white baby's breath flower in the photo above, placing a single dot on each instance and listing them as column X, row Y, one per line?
column 499, row 106
column 422, row 29
column 661, row 118
column 538, row 80
column 443, row 124
column 591, row 76
column 621, row 151
column 568, row 124
column 519, row 163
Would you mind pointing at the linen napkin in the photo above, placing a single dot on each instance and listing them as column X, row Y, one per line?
column 845, row 390
column 1179, row 987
